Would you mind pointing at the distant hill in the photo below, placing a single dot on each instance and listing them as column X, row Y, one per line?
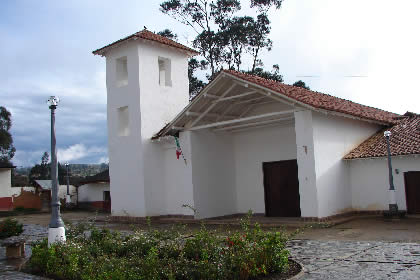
column 83, row 170
column 77, row 170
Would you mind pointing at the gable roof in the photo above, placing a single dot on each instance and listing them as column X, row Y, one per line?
column 320, row 100
column 146, row 35
column 44, row 184
column 98, row 178
column 290, row 94
column 404, row 140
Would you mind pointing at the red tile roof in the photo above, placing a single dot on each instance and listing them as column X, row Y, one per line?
column 6, row 165
column 98, row 178
column 147, row 35
column 320, row 100
column 404, row 140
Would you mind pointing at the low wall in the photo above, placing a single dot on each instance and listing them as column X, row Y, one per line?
column 6, row 203
column 27, row 199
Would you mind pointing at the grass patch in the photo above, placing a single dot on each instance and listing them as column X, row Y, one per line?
column 92, row 253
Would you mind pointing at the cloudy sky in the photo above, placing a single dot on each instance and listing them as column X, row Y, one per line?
column 365, row 51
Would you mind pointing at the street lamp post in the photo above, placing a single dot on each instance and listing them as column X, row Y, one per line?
column 68, row 185
column 56, row 231
column 393, row 207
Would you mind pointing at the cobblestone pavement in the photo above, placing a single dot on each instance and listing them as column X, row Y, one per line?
column 357, row 260
column 321, row 259
column 8, row 268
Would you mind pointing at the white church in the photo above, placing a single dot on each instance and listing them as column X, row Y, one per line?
column 245, row 143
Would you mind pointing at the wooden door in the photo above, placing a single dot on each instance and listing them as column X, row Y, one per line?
column 281, row 189
column 107, row 201
column 412, row 191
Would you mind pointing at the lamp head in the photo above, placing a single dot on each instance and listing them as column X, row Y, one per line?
column 66, row 164
column 387, row 133
column 53, row 101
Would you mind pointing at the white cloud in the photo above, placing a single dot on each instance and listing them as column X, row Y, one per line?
column 78, row 151
column 103, row 160
column 333, row 40
column 27, row 158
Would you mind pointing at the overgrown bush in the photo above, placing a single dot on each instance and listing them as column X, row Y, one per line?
column 166, row 254
column 10, row 227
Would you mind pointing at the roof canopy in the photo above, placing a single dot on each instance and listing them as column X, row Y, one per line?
column 232, row 99
column 146, row 35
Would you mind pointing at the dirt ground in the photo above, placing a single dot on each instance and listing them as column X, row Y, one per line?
column 369, row 229
column 373, row 228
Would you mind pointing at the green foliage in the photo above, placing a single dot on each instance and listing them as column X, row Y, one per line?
column 196, row 85
column 273, row 75
column 301, row 84
column 10, row 227
column 168, row 34
column 23, row 209
column 42, row 171
column 222, row 33
column 167, row 254
column 7, row 150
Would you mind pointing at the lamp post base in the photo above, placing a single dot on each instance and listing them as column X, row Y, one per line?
column 394, row 215
column 56, row 235
column 393, row 208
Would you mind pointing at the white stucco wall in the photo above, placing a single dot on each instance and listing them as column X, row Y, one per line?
column 159, row 104
column 125, row 152
column 213, row 173
column 333, row 138
column 251, row 149
column 369, row 182
column 178, row 178
column 93, row 192
column 5, row 182
column 62, row 192
column 136, row 163
column 306, row 163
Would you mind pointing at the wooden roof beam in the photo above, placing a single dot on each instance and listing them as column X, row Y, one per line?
column 212, row 105
column 242, row 119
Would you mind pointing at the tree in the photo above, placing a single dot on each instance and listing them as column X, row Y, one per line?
column 62, row 174
column 271, row 75
column 301, row 84
column 258, row 39
column 41, row 171
column 45, row 159
column 196, row 85
column 7, row 150
column 222, row 35
column 168, row 34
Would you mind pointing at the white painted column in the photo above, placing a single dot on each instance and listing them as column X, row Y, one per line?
column 306, row 164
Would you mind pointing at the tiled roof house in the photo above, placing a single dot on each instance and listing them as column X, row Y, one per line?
column 245, row 143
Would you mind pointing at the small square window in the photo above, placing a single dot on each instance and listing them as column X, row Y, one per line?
column 164, row 72
column 121, row 71
column 123, row 121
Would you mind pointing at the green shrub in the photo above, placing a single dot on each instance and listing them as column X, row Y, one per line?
column 23, row 209
column 10, row 227
column 167, row 254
